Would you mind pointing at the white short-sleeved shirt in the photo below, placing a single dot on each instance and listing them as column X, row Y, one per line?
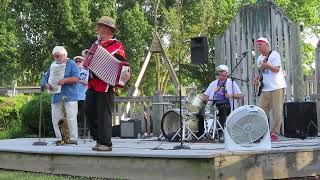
column 230, row 90
column 272, row 80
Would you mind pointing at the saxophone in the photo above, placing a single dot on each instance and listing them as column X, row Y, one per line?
column 63, row 126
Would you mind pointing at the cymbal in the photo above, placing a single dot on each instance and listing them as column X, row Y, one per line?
column 214, row 99
column 163, row 103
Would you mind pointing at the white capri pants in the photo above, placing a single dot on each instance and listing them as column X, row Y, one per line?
column 57, row 114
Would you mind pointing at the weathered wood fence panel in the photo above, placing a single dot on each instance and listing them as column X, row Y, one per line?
column 317, row 81
column 252, row 22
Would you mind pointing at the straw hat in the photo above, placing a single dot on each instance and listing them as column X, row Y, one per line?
column 108, row 21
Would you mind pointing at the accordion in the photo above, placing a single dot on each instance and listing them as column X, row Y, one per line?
column 106, row 67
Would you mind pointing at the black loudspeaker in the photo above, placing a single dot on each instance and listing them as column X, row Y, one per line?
column 300, row 119
column 116, row 131
column 199, row 50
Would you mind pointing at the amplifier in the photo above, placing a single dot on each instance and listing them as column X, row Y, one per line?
column 130, row 128
column 300, row 119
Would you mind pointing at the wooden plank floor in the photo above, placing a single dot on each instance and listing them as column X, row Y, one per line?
column 138, row 159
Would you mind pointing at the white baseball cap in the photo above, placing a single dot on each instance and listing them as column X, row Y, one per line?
column 263, row 39
column 222, row 67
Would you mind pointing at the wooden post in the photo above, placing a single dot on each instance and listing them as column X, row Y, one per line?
column 287, row 59
column 143, row 123
column 156, row 113
column 297, row 79
column 13, row 88
column 317, row 81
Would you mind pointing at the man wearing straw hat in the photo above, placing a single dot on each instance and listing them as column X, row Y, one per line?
column 100, row 95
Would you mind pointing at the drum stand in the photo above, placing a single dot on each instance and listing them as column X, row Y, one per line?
column 177, row 134
column 190, row 134
column 214, row 127
column 187, row 134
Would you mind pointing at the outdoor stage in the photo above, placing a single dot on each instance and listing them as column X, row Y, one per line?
column 138, row 159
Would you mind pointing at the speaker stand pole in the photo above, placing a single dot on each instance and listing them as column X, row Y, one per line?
column 181, row 146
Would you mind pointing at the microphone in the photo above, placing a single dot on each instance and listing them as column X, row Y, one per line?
column 245, row 53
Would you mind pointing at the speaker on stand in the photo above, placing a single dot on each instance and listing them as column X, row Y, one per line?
column 199, row 50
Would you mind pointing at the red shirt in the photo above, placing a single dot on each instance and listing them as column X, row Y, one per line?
column 114, row 47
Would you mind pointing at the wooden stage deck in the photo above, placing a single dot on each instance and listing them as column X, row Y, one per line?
column 150, row 159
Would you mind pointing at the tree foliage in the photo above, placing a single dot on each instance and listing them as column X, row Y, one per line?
column 30, row 29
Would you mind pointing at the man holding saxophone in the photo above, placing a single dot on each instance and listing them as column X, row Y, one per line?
column 61, row 81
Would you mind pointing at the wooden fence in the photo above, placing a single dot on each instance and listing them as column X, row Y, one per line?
column 316, row 96
column 252, row 22
column 148, row 109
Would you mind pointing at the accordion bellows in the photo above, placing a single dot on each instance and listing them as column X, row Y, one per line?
column 106, row 67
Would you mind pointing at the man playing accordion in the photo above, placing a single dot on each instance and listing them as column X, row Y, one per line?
column 100, row 95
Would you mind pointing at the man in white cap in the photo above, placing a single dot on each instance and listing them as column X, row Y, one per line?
column 272, row 95
column 100, row 95
column 68, row 90
column 223, row 92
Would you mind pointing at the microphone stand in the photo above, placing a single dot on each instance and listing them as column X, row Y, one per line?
column 230, row 75
column 233, row 78
column 40, row 143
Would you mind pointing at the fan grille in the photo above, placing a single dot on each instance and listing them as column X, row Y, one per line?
column 247, row 127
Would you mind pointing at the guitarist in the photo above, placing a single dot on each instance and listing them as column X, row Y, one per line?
column 272, row 92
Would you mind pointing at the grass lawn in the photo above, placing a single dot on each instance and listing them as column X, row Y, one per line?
column 21, row 175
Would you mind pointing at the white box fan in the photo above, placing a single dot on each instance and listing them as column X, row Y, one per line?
column 247, row 128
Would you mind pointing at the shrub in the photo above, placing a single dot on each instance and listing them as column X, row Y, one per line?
column 10, row 120
column 30, row 115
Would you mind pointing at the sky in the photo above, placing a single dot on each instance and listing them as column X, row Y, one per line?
column 311, row 38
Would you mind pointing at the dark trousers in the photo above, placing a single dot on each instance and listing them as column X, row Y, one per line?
column 80, row 117
column 223, row 111
column 99, row 107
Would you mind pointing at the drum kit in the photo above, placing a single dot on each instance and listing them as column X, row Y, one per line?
column 193, row 110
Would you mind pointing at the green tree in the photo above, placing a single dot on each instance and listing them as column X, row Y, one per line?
column 9, row 52
column 136, row 34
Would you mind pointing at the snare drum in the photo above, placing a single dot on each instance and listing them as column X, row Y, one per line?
column 194, row 103
column 210, row 110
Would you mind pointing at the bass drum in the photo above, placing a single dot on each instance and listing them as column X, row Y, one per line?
column 170, row 124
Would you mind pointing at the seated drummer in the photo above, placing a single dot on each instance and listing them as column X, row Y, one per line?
column 222, row 93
